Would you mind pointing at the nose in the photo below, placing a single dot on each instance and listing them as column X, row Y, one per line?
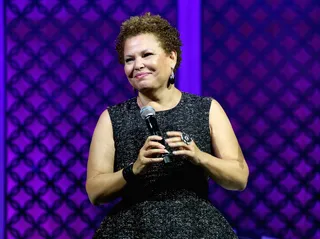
column 138, row 64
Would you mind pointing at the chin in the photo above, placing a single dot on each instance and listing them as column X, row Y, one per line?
column 144, row 85
column 145, row 89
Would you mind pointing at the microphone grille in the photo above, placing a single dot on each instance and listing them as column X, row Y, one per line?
column 147, row 111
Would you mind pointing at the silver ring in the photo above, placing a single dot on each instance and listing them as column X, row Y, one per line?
column 186, row 138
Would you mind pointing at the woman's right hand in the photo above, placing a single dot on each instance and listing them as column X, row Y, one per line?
column 149, row 153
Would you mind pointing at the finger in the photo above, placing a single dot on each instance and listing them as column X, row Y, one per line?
column 178, row 144
column 174, row 133
column 182, row 152
column 150, row 139
column 154, row 144
column 154, row 138
column 173, row 139
column 152, row 160
column 150, row 152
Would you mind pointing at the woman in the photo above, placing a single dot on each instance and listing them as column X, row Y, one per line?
column 161, row 200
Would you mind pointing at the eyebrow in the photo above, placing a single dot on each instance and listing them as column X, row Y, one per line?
column 142, row 52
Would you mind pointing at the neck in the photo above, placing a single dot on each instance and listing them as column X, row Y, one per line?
column 160, row 100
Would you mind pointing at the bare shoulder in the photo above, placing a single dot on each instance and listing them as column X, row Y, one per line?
column 104, row 120
column 224, row 141
column 101, row 154
column 217, row 114
column 103, row 130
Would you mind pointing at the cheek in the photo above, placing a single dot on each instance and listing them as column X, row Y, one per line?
column 163, row 63
column 154, row 63
column 127, row 70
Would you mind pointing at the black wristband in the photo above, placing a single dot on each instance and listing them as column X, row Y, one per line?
column 128, row 174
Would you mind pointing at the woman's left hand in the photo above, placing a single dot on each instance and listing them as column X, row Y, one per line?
column 179, row 147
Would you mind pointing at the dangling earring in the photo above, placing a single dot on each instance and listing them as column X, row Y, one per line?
column 171, row 78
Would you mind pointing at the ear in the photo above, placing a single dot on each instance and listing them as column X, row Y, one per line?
column 173, row 59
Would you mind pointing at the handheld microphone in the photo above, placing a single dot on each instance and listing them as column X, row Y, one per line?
column 148, row 114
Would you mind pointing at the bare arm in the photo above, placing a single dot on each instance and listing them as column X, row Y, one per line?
column 102, row 182
column 229, row 168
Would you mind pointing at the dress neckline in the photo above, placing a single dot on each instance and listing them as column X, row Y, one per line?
column 168, row 110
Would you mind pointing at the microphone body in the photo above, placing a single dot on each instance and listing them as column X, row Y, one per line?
column 153, row 125
column 148, row 114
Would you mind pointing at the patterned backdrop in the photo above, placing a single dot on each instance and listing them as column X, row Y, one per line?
column 259, row 61
column 62, row 72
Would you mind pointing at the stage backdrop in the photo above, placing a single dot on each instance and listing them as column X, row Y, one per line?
column 259, row 60
column 62, row 72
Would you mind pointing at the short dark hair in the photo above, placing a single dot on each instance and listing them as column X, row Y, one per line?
column 167, row 35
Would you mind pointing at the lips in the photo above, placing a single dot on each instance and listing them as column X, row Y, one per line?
column 141, row 75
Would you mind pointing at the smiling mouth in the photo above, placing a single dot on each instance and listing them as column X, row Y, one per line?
column 140, row 76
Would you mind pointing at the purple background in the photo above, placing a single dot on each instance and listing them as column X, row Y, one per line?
column 260, row 60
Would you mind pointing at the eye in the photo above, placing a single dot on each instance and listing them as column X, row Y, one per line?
column 128, row 60
column 147, row 54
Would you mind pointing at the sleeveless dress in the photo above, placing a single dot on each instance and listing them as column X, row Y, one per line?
column 167, row 200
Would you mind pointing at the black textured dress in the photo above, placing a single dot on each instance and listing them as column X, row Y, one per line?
column 168, row 200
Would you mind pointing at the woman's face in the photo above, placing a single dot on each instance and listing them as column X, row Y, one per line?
column 146, row 65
